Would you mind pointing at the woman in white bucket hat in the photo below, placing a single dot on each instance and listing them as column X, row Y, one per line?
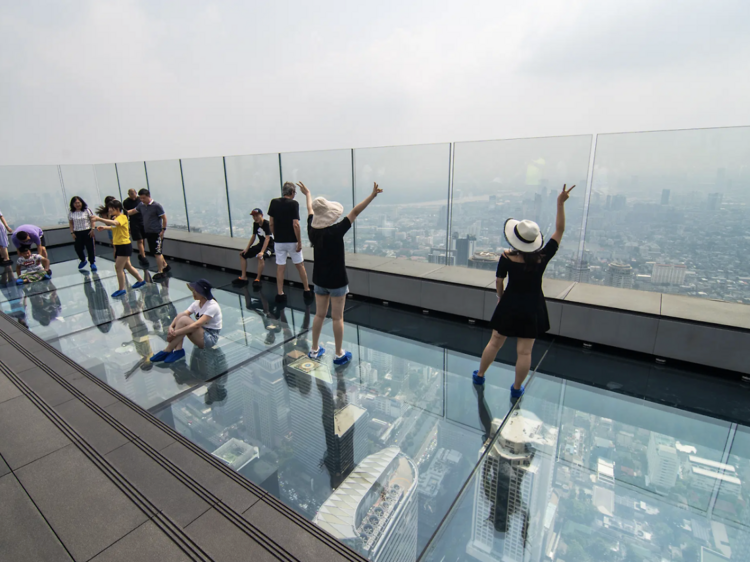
column 521, row 310
column 329, row 275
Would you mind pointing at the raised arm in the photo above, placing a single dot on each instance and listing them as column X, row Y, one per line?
column 308, row 197
column 355, row 212
column 560, row 224
column 105, row 221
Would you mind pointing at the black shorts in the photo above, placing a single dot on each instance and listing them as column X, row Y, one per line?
column 155, row 243
column 123, row 250
column 255, row 250
column 43, row 241
column 136, row 231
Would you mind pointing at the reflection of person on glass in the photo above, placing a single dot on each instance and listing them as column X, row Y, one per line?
column 138, row 332
column 14, row 296
column 45, row 304
column 261, row 308
column 521, row 311
column 329, row 276
column 102, row 313
column 203, row 331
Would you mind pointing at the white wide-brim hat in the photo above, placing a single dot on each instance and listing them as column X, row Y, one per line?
column 523, row 236
column 325, row 212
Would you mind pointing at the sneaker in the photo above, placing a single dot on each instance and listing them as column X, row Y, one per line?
column 281, row 298
column 93, row 267
column 175, row 356
column 239, row 282
column 49, row 272
column 309, row 296
column 119, row 293
column 160, row 356
column 256, row 284
column 139, row 284
column 167, row 268
column 19, row 281
column 344, row 359
column 6, row 262
column 82, row 264
column 159, row 276
column 516, row 394
column 477, row 379
column 143, row 261
column 318, row 354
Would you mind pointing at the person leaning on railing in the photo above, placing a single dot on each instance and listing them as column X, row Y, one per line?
column 521, row 310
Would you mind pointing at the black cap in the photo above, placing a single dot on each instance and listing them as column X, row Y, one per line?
column 256, row 211
column 202, row 287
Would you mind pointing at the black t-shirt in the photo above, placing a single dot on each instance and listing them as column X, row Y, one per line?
column 526, row 278
column 261, row 231
column 328, row 244
column 130, row 204
column 284, row 212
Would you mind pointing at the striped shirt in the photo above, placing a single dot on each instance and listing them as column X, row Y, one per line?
column 81, row 219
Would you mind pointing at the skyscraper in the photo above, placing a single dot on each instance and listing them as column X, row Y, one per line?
column 578, row 271
column 619, row 275
column 464, row 249
column 665, row 196
column 374, row 510
column 326, row 429
column 668, row 274
column 714, row 201
column 513, row 492
column 266, row 401
column 663, row 462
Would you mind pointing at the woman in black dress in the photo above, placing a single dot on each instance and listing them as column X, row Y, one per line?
column 521, row 309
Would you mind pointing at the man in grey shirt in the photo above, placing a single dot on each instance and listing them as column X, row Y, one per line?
column 155, row 225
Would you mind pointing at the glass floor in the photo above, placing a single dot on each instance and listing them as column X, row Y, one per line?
column 398, row 454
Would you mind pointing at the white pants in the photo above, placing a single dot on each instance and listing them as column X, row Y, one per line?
column 284, row 249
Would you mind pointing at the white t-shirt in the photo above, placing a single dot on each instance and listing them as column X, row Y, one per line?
column 212, row 309
column 31, row 264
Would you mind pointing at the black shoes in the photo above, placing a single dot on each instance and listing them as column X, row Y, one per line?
column 309, row 296
column 159, row 277
column 6, row 262
column 143, row 261
column 240, row 282
column 280, row 298
column 256, row 284
column 167, row 268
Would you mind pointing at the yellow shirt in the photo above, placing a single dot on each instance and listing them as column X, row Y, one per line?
column 121, row 232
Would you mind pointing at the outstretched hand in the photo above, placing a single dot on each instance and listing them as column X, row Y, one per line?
column 564, row 194
column 376, row 190
column 303, row 188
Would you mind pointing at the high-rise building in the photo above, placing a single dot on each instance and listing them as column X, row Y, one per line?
column 326, row 429
column 663, row 462
column 576, row 271
column 665, row 196
column 619, row 203
column 374, row 510
column 668, row 274
column 464, row 249
column 619, row 275
column 484, row 260
column 266, row 401
column 512, row 495
column 714, row 201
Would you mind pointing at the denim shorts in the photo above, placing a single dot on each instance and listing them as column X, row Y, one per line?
column 210, row 337
column 340, row 292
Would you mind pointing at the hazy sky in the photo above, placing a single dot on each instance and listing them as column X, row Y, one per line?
column 103, row 81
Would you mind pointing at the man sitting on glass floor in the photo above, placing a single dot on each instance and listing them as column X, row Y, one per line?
column 262, row 250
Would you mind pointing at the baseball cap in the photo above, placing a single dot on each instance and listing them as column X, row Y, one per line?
column 256, row 212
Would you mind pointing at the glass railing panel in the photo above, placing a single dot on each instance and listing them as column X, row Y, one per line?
column 165, row 182
column 668, row 212
column 81, row 181
column 410, row 219
column 253, row 181
column 32, row 195
column 497, row 180
column 132, row 175
column 106, row 181
column 326, row 173
column 206, row 193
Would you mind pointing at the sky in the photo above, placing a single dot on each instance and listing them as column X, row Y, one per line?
column 124, row 80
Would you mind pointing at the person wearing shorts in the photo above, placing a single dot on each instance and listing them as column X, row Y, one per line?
column 262, row 250
column 284, row 222
column 203, row 331
column 119, row 226
column 154, row 226
column 329, row 276
column 30, row 267
column 5, row 229
column 137, row 232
